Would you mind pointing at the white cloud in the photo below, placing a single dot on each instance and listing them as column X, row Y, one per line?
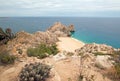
column 57, row 6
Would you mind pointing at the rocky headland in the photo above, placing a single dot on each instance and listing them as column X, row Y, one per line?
column 75, row 61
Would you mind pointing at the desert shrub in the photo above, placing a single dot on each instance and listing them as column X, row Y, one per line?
column 70, row 53
column 6, row 58
column 42, row 51
column 117, row 69
column 114, row 72
column 34, row 72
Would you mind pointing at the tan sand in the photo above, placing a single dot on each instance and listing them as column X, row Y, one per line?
column 69, row 44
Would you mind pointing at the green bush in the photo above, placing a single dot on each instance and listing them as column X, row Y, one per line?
column 5, row 58
column 42, row 51
column 34, row 72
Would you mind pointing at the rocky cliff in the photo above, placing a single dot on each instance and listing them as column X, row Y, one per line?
column 61, row 30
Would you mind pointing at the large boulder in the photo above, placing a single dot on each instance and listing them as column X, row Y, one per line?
column 103, row 62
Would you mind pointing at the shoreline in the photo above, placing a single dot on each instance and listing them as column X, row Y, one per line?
column 69, row 44
column 78, row 40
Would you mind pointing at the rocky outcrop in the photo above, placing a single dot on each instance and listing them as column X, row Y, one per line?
column 71, row 28
column 24, row 40
column 94, row 48
column 61, row 30
column 45, row 37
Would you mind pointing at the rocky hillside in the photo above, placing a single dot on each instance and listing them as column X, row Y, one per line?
column 25, row 40
column 92, row 62
column 99, row 60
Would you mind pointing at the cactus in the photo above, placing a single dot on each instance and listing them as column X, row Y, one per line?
column 34, row 72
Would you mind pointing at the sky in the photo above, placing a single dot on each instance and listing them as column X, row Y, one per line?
column 82, row 8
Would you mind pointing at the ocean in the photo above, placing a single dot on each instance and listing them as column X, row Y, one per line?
column 102, row 30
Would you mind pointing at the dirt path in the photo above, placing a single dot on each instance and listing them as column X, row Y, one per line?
column 62, row 70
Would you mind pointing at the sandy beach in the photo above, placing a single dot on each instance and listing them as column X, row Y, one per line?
column 69, row 44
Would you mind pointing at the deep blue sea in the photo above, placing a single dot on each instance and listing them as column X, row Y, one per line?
column 88, row 29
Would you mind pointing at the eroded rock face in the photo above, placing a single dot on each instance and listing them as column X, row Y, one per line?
column 61, row 30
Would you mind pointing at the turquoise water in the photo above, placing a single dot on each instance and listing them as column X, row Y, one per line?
column 88, row 30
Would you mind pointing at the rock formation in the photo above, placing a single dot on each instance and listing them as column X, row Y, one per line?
column 61, row 30
column 94, row 48
column 45, row 37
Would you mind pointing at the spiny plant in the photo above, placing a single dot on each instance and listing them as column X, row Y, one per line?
column 34, row 72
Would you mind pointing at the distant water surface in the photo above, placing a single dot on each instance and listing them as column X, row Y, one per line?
column 88, row 30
